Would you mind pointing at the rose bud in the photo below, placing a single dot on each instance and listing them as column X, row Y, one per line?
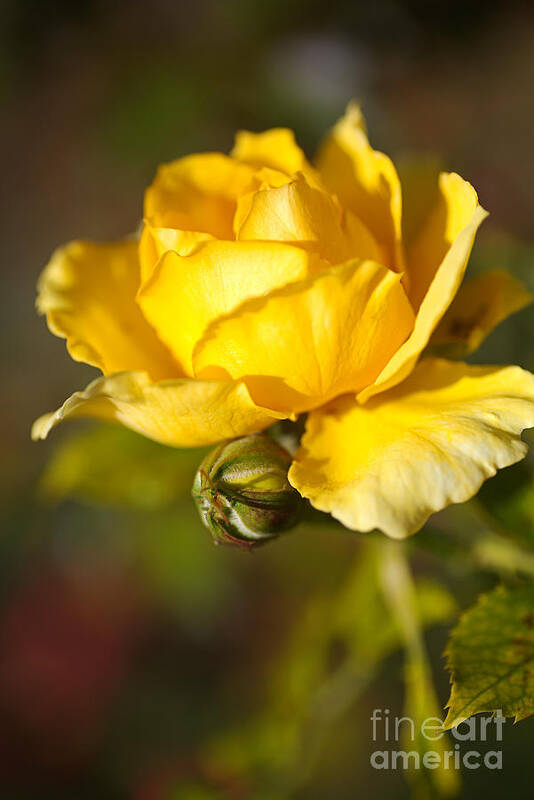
column 242, row 492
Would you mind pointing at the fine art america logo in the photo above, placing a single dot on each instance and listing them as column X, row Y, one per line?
column 396, row 730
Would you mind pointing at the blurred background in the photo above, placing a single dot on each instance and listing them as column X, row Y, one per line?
column 137, row 660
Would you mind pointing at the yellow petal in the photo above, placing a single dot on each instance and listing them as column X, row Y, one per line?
column 365, row 181
column 292, row 212
column 299, row 213
column 452, row 209
column 436, row 301
column 87, row 292
column 311, row 340
column 156, row 241
column 265, row 178
column 181, row 412
column 275, row 148
column 185, row 293
column 480, row 305
column 198, row 193
column 361, row 241
column 431, row 441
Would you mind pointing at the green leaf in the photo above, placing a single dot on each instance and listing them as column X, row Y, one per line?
column 509, row 497
column 110, row 465
column 374, row 635
column 421, row 703
column 490, row 656
column 332, row 655
column 178, row 559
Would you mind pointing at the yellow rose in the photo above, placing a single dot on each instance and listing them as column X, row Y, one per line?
column 263, row 287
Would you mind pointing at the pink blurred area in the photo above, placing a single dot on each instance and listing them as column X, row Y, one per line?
column 64, row 650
